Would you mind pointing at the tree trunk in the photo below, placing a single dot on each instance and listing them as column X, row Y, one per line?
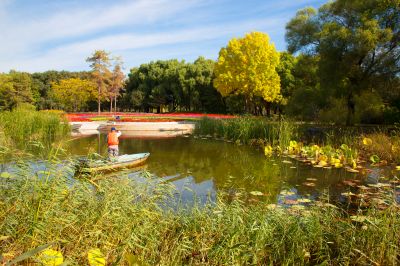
column 246, row 102
column 350, row 109
column 268, row 108
column 115, row 104
column 98, row 101
column 111, row 104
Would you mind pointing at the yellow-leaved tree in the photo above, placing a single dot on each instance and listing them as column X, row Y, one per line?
column 247, row 66
column 74, row 93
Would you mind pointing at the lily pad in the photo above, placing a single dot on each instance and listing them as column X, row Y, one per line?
column 358, row 218
column 374, row 159
column 351, row 170
column 51, row 257
column 298, row 207
column 256, row 193
column 96, row 258
column 304, row 200
column 5, row 175
column 287, row 193
column 290, row 202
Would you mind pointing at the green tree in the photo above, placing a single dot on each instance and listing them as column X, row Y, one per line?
column 42, row 83
column 306, row 99
column 285, row 68
column 174, row 86
column 357, row 42
column 137, row 98
column 99, row 63
column 15, row 88
column 208, row 99
column 74, row 93
column 247, row 66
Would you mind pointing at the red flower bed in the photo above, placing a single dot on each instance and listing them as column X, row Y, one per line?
column 148, row 120
column 144, row 117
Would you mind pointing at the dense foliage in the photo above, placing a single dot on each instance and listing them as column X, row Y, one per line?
column 247, row 67
column 173, row 85
column 358, row 48
column 73, row 94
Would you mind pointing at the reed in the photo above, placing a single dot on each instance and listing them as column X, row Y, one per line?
column 24, row 125
column 138, row 222
column 247, row 129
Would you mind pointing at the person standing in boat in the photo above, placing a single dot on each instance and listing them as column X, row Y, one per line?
column 113, row 142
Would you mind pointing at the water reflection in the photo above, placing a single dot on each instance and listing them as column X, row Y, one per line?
column 206, row 166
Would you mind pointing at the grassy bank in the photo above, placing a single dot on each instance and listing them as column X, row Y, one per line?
column 382, row 144
column 24, row 125
column 249, row 129
column 128, row 222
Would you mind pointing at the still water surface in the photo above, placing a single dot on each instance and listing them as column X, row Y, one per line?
column 206, row 166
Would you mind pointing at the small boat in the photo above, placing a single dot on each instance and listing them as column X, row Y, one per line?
column 113, row 164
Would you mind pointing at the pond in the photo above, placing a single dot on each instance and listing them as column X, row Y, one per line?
column 205, row 166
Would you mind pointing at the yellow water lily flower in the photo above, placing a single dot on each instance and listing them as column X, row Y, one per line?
column 354, row 164
column 323, row 158
column 293, row 144
column 367, row 141
column 338, row 165
column 334, row 161
column 51, row 257
column 96, row 258
column 268, row 151
column 315, row 147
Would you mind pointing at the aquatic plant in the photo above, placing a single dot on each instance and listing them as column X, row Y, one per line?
column 24, row 125
column 324, row 156
column 248, row 130
column 383, row 146
column 125, row 222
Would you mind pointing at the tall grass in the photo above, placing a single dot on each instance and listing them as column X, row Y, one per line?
column 246, row 129
column 24, row 125
column 386, row 147
column 128, row 221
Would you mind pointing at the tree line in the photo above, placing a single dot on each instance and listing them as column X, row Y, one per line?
column 342, row 65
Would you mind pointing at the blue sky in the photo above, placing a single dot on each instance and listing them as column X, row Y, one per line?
column 41, row 35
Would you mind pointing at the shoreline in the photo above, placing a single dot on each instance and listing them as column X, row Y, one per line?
column 134, row 129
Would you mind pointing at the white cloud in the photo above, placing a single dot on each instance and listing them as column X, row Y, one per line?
column 63, row 39
column 28, row 34
column 72, row 56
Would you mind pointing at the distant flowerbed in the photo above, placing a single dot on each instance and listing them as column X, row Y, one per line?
column 140, row 117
